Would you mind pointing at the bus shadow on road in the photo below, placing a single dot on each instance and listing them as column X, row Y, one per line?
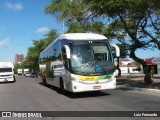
column 87, row 94
column 77, row 95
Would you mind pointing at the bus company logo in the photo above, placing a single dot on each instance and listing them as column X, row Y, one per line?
column 6, row 114
column 21, row 114
column 97, row 82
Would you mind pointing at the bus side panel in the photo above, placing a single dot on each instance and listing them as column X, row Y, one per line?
column 66, row 76
column 55, row 69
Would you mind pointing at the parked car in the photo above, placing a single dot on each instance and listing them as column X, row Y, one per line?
column 34, row 74
column 27, row 74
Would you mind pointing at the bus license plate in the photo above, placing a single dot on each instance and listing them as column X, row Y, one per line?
column 97, row 87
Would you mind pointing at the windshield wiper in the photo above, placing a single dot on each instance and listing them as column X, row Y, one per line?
column 85, row 73
column 80, row 73
column 96, row 73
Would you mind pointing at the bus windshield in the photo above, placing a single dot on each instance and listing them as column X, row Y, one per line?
column 91, row 58
column 5, row 70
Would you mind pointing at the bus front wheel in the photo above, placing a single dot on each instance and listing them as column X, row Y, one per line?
column 44, row 81
column 62, row 90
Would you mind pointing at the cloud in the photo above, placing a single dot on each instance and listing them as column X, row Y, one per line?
column 42, row 30
column 4, row 42
column 15, row 6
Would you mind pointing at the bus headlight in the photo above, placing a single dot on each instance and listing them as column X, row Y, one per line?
column 74, row 79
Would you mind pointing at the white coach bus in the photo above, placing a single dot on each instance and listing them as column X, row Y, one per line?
column 79, row 62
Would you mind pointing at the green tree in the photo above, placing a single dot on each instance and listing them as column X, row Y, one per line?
column 75, row 15
column 50, row 37
column 134, row 23
column 124, row 51
column 32, row 58
column 18, row 66
column 33, row 54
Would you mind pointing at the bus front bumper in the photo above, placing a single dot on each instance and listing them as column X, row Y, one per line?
column 82, row 87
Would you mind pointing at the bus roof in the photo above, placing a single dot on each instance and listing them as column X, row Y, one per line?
column 82, row 36
column 78, row 36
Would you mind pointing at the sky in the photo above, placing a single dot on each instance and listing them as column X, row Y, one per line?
column 22, row 21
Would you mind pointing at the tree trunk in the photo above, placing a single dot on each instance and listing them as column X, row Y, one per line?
column 119, row 70
column 147, row 78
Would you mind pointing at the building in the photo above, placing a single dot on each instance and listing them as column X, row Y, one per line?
column 19, row 58
column 153, row 64
column 127, row 66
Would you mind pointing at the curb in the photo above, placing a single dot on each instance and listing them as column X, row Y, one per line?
column 137, row 88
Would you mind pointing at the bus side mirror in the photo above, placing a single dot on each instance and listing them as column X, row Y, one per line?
column 116, row 59
column 117, row 50
column 68, row 52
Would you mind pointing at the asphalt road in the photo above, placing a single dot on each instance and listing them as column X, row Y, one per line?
column 28, row 94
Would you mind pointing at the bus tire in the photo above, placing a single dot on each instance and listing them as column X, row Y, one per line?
column 62, row 90
column 44, row 81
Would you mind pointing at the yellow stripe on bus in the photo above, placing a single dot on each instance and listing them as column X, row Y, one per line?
column 88, row 78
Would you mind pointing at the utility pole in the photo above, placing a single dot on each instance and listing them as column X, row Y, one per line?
column 63, row 26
